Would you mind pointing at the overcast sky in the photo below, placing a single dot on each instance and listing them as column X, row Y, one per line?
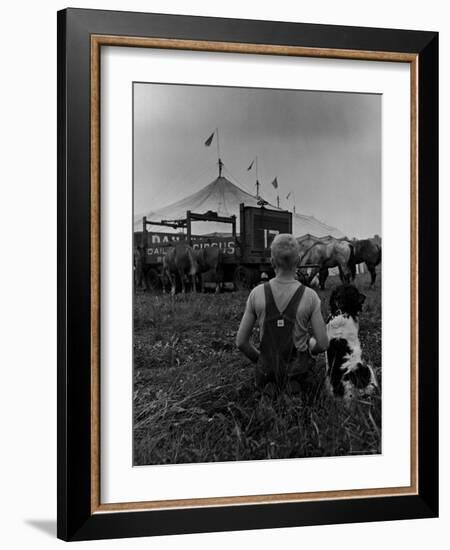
column 325, row 147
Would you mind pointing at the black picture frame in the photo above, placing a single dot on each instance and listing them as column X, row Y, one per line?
column 75, row 518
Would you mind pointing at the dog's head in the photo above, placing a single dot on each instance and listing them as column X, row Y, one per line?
column 346, row 299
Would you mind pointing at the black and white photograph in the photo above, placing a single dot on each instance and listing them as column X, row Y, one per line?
column 257, row 274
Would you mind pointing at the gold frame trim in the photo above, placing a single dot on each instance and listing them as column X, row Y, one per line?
column 97, row 41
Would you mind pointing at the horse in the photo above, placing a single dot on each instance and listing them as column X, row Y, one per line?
column 369, row 252
column 208, row 260
column 180, row 260
column 139, row 268
column 323, row 255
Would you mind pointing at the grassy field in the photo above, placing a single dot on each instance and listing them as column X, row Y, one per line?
column 194, row 399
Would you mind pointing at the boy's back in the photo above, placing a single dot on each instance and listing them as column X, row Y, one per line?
column 284, row 310
column 282, row 292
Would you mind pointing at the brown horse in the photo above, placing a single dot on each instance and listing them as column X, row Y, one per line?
column 139, row 268
column 209, row 260
column 369, row 252
column 324, row 254
column 180, row 260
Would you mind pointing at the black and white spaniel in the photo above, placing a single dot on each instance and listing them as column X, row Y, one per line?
column 348, row 375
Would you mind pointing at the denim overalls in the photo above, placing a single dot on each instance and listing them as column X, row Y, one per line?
column 280, row 362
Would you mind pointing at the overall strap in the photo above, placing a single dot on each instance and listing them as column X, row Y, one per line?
column 291, row 309
column 271, row 307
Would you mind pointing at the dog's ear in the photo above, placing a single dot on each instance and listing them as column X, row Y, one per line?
column 333, row 305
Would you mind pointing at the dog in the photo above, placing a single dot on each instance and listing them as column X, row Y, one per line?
column 347, row 374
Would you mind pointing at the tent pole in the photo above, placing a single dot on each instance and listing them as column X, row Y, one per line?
column 257, row 182
column 219, row 160
column 218, row 143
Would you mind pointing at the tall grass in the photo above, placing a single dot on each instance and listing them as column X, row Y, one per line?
column 194, row 398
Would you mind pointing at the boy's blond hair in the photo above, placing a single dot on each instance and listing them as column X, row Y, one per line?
column 285, row 252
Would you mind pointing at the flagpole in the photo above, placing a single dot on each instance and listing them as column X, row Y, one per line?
column 257, row 182
column 218, row 144
column 219, row 160
column 278, row 201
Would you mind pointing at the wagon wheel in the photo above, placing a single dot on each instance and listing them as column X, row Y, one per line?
column 153, row 279
column 243, row 278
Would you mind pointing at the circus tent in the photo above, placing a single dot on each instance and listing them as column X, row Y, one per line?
column 224, row 197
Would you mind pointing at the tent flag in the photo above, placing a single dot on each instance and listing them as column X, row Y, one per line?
column 288, row 195
column 209, row 140
column 250, row 167
column 275, row 183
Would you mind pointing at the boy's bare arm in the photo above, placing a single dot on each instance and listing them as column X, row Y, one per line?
column 319, row 343
column 244, row 334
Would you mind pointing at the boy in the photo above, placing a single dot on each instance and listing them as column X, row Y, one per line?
column 284, row 310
